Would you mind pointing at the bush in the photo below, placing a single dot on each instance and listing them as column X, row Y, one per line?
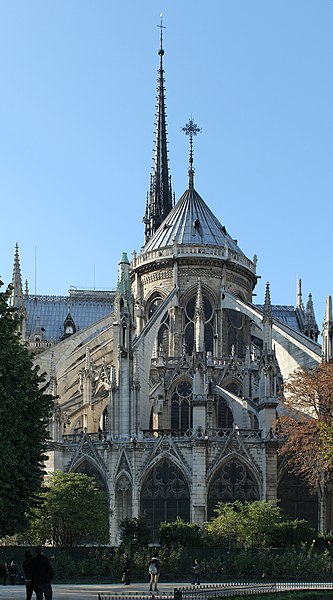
column 188, row 535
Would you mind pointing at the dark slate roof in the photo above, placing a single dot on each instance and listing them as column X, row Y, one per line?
column 286, row 314
column 191, row 222
column 85, row 306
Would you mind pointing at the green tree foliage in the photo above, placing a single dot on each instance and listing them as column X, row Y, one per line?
column 24, row 414
column 181, row 533
column 71, row 511
column 293, row 533
column 134, row 533
column 248, row 524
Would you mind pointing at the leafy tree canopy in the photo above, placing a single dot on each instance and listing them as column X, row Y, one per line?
column 246, row 524
column 24, row 414
column 134, row 533
column 307, row 426
column 71, row 511
column 181, row 533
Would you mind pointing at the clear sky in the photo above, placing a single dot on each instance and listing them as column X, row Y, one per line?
column 77, row 111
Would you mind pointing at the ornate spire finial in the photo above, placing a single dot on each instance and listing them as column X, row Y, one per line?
column 191, row 129
column 161, row 27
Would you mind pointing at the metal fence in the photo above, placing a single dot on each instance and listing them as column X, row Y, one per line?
column 204, row 592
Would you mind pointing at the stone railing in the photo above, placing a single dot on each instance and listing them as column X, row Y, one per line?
column 206, row 435
column 183, row 251
column 75, row 438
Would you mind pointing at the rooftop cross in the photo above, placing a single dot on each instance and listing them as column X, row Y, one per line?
column 161, row 27
column 191, row 129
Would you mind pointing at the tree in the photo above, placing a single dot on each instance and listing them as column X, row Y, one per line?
column 24, row 412
column 181, row 534
column 134, row 533
column 71, row 511
column 245, row 524
column 307, row 426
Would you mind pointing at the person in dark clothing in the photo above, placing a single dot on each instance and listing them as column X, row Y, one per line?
column 197, row 570
column 27, row 570
column 126, row 569
column 13, row 572
column 42, row 575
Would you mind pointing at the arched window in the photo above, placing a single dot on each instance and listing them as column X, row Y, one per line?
column 208, row 324
column 104, row 422
column 165, row 496
column 163, row 336
column 235, row 328
column 224, row 417
column 153, row 305
column 233, row 481
column 181, row 406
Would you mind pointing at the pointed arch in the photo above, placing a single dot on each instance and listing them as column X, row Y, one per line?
column 233, row 479
column 180, row 400
column 165, row 495
column 123, row 497
column 88, row 466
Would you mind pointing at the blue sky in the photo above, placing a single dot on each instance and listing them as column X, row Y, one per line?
column 77, row 108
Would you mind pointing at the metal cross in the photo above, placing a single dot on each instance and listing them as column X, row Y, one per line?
column 161, row 27
column 191, row 129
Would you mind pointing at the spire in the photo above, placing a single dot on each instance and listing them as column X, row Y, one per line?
column 267, row 321
column 160, row 193
column 191, row 129
column 299, row 301
column 328, row 332
column 17, row 291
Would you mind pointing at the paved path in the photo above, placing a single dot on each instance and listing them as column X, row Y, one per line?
column 87, row 592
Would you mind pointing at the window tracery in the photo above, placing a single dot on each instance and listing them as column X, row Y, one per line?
column 233, row 481
column 181, row 406
column 208, row 323
column 165, row 496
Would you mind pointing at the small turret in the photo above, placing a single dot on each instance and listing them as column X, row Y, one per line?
column 310, row 325
column 69, row 326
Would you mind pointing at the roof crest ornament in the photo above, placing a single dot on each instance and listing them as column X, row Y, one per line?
column 191, row 129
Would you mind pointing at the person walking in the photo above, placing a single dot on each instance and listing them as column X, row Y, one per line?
column 42, row 575
column 154, row 573
column 197, row 570
column 126, row 569
column 27, row 570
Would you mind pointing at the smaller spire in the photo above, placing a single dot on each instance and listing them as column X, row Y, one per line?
column 191, row 129
column 327, row 333
column 267, row 321
column 17, row 291
column 268, row 305
column 299, row 301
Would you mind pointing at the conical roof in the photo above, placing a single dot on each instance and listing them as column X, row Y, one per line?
column 191, row 222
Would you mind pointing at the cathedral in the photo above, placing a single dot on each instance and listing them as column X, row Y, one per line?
column 167, row 387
